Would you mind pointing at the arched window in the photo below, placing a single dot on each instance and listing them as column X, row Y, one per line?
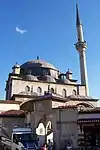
column 85, row 105
column 31, row 88
column 81, row 107
column 52, row 90
column 39, row 90
column 27, row 89
column 64, row 94
column 74, row 92
column 22, row 71
column 48, row 127
column 40, row 130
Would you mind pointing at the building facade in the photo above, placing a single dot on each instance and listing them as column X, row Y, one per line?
column 48, row 96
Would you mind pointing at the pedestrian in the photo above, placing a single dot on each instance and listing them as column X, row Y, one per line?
column 50, row 145
column 69, row 147
column 44, row 147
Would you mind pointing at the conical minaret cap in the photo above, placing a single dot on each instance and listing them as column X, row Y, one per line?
column 78, row 21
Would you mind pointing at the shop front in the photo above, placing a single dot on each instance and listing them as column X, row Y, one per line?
column 89, row 130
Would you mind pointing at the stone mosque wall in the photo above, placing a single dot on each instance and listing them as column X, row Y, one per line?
column 19, row 86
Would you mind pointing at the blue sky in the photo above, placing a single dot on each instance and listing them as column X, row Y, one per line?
column 51, row 35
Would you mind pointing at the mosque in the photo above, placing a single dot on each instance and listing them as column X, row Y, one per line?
column 53, row 102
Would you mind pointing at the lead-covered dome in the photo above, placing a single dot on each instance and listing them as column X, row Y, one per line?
column 38, row 68
column 38, row 63
column 66, row 81
column 49, row 78
column 31, row 77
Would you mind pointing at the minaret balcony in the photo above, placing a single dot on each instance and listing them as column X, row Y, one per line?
column 81, row 46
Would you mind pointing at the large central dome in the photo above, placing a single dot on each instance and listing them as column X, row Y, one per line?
column 38, row 68
column 38, row 63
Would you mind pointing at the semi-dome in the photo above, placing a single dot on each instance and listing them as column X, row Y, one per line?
column 30, row 77
column 38, row 63
column 49, row 78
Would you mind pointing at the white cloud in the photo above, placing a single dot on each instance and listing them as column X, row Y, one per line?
column 21, row 31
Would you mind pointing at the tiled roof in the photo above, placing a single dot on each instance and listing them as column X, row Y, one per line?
column 67, row 106
column 9, row 102
column 50, row 96
column 79, row 97
column 91, row 110
column 13, row 113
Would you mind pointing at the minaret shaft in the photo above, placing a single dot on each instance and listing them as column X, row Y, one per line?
column 80, row 33
column 83, row 70
column 81, row 48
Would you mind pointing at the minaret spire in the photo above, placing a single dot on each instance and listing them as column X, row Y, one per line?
column 81, row 48
column 78, row 21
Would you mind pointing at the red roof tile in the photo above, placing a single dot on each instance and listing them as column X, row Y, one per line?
column 13, row 113
column 82, row 97
column 9, row 102
column 90, row 110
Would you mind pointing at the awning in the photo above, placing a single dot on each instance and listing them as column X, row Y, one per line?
column 82, row 121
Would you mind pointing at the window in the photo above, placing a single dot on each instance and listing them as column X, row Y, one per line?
column 74, row 92
column 52, row 90
column 29, row 71
column 24, row 137
column 31, row 88
column 64, row 93
column 22, row 71
column 39, row 90
column 27, row 89
column 81, row 107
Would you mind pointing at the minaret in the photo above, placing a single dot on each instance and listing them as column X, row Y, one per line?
column 81, row 48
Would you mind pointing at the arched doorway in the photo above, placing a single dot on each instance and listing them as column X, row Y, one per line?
column 44, row 131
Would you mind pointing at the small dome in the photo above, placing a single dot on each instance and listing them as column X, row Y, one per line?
column 49, row 78
column 16, row 66
column 28, row 93
column 22, row 93
column 34, row 93
column 66, row 81
column 30, row 77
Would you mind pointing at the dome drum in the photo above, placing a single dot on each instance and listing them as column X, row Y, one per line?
column 39, row 68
